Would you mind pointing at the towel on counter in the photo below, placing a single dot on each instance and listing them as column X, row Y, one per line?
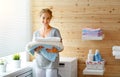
column 49, row 43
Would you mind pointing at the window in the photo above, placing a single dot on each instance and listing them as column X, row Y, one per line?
column 15, row 26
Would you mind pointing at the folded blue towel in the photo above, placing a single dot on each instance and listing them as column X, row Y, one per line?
column 48, row 55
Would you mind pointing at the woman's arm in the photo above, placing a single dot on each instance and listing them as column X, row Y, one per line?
column 53, row 50
column 38, row 49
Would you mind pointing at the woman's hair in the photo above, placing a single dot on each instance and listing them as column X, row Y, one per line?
column 46, row 10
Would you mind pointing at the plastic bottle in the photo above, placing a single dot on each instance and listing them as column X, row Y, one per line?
column 97, row 55
column 90, row 55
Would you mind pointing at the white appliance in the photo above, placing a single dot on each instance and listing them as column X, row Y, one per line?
column 68, row 67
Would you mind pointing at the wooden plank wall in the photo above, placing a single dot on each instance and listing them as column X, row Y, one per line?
column 70, row 16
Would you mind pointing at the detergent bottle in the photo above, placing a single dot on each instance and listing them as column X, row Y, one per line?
column 90, row 55
column 97, row 56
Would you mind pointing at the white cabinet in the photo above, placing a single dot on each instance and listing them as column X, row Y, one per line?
column 68, row 67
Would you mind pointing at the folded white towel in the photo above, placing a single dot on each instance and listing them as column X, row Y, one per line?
column 117, row 57
column 46, row 43
column 31, row 44
column 116, row 53
column 51, row 39
column 116, row 48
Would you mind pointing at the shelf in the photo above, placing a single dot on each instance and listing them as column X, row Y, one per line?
column 92, row 38
column 93, row 72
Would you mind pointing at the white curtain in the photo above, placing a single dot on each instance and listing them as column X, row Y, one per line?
column 15, row 26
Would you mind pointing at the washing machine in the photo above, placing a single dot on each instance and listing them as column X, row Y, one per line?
column 68, row 67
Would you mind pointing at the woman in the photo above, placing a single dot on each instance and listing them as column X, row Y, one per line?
column 42, row 66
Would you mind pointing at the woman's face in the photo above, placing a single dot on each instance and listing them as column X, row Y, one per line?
column 45, row 19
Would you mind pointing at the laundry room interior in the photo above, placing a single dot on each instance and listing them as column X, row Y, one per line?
column 89, row 30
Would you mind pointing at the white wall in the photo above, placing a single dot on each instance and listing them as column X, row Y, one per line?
column 15, row 26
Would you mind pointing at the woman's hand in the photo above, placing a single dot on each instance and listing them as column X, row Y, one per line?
column 38, row 48
column 53, row 50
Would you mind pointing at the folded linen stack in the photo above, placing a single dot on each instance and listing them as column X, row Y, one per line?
column 116, row 52
column 89, row 32
column 46, row 43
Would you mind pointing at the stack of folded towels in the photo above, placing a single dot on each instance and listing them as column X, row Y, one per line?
column 89, row 32
column 116, row 52
column 46, row 43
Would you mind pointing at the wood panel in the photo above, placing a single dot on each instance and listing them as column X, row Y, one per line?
column 71, row 16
